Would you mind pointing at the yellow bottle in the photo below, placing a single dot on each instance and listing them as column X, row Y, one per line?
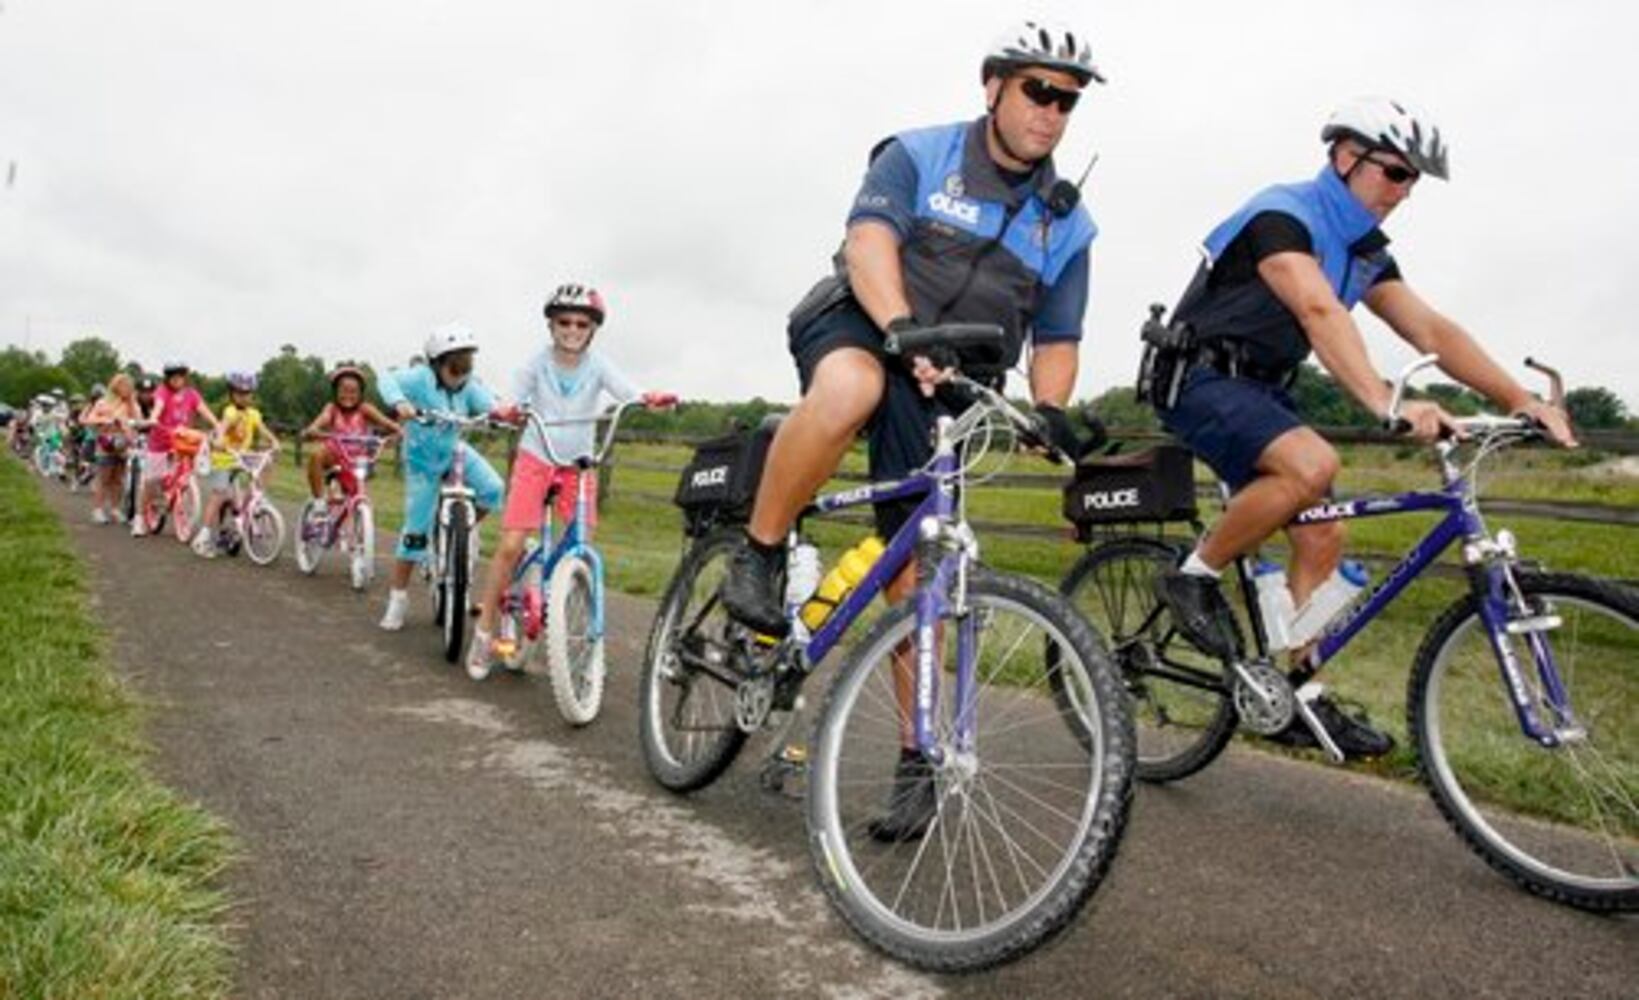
column 844, row 577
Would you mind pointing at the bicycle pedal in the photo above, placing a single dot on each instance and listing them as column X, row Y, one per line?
column 1305, row 696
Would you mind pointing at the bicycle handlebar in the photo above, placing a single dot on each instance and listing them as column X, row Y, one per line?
column 1483, row 423
column 612, row 414
column 988, row 400
column 953, row 335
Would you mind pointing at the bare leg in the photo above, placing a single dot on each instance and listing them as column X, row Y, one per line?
column 501, row 566
column 402, row 568
column 1316, row 551
column 846, row 388
column 1296, row 469
column 316, row 464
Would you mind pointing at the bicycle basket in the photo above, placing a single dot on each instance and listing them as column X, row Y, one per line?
column 1157, row 484
column 720, row 481
column 186, row 441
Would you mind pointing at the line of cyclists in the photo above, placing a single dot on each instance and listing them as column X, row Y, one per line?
column 958, row 223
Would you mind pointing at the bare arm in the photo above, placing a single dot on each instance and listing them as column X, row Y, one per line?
column 1053, row 372
column 312, row 430
column 871, row 255
column 1296, row 279
column 379, row 419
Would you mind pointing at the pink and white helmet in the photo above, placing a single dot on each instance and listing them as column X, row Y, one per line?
column 577, row 298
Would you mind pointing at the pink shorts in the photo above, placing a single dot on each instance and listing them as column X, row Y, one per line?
column 526, row 495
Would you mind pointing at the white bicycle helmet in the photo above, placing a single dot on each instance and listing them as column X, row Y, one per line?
column 1382, row 123
column 576, row 298
column 1041, row 43
column 449, row 338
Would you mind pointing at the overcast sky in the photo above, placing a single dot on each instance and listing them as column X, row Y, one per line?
column 212, row 178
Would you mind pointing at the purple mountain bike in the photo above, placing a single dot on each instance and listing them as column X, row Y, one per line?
column 1529, row 680
column 1030, row 793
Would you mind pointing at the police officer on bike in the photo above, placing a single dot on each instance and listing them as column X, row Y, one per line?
column 966, row 222
column 1281, row 275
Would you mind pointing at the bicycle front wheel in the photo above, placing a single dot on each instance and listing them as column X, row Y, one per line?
column 361, row 563
column 1181, row 701
column 1019, row 830
column 310, row 532
column 265, row 534
column 574, row 650
column 454, row 580
column 686, row 720
column 185, row 509
column 1562, row 822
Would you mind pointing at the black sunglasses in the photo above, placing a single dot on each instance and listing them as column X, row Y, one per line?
column 1042, row 93
column 1393, row 171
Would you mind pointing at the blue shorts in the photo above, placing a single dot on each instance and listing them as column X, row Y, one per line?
column 421, row 500
column 1228, row 422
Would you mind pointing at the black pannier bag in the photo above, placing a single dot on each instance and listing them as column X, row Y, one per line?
column 1154, row 485
column 719, row 484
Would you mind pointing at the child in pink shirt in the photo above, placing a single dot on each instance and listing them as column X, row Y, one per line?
column 176, row 404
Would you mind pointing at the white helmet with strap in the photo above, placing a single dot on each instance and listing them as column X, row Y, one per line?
column 449, row 338
column 1381, row 123
column 1041, row 43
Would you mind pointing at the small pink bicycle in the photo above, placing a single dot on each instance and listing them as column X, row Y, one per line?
column 343, row 516
column 249, row 520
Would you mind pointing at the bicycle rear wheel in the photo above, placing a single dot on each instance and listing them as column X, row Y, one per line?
column 574, row 654
column 455, row 580
column 1561, row 822
column 265, row 534
column 686, row 720
column 1181, row 701
column 129, row 488
column 1020, row 830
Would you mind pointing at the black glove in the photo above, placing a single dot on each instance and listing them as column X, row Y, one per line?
column 1058, row 430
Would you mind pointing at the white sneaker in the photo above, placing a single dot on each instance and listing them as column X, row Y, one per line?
column 204, row 545
column 479, row 658
column 398, row 602
column 138, row 528
column 98, row 517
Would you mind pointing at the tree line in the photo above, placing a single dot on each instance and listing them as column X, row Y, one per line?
column 293, row 388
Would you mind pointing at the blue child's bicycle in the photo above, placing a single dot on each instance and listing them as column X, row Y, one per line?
column 555, row 599
column 958, row 814
column 1522, row 701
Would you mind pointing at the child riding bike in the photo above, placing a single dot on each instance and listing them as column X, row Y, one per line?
column 346, row 416
column 241, row 428
column 562, row 382
column 176, row 404
column 444, row 385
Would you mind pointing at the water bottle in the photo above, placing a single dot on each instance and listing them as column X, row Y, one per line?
column 1275, row 602
column 1329, row 600
column 802, row 574
column 844, row 577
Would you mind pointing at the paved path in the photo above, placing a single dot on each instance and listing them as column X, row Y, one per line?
column 407, row 834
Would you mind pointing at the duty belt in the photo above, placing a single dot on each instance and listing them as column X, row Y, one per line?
column 1230, row 357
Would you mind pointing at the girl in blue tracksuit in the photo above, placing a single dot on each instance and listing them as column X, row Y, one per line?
column 443, row 385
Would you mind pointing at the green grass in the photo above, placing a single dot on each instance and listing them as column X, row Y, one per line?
column 106, row 877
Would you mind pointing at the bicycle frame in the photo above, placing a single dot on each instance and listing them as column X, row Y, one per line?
column 934, row 485
column 1488, row 577
column 354, row 492
column 574, row 540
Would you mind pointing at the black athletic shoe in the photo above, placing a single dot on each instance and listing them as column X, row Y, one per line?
column 912, row 803
column 750, row 593
column 1353, row 733
column 1198, row 610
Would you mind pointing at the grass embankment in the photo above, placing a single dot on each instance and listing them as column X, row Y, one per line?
column 105, row 875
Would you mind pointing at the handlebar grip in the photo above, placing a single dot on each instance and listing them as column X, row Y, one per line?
column 1397, row 425
column 955, row 335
